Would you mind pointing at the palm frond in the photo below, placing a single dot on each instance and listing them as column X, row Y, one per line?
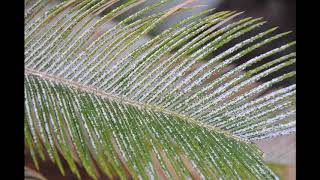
column 117, row 103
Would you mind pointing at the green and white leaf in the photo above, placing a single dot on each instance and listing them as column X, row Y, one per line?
column 117, row 103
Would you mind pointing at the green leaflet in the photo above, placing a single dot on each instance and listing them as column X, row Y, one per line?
column 97, row 124
column 105, row 97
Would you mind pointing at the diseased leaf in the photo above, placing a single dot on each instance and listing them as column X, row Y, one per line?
column 104, row 97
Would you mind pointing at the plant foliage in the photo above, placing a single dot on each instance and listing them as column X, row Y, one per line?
column 115, row 103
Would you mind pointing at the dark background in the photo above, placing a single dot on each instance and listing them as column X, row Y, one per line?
column 280, row 13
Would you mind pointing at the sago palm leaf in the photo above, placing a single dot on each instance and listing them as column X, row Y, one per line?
column 102, row 96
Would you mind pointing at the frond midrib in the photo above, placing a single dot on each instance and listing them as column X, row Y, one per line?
column 130, row 102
